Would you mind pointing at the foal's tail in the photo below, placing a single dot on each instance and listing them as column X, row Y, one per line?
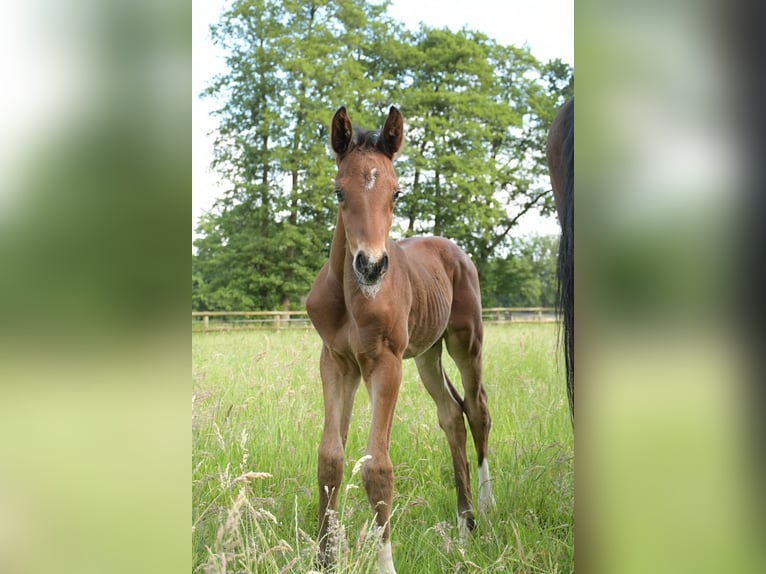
column 565, row 263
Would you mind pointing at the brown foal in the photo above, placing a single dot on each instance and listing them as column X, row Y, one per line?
column 376, row 302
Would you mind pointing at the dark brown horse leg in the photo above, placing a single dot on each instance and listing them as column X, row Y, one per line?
column 340, row 379
column 383, row 379
column 450, row 413
column 464, row 346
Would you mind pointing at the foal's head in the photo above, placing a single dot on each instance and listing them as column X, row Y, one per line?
column 367, row 189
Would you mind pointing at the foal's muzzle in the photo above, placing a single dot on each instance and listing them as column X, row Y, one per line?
column 370, row 271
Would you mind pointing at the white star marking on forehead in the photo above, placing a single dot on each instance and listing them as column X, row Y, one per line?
column 369, row 178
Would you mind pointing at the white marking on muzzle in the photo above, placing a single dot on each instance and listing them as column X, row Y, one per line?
column 373, row 256
column 370, row 291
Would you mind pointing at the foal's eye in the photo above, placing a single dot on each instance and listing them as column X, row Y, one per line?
column 397, row 194
column 339, row 195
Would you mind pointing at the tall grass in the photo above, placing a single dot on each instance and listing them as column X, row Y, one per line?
column 256, row 424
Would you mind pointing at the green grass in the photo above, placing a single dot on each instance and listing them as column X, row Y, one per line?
column 257, row 408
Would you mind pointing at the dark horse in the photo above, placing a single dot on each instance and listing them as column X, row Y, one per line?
column 560, row 154
column 376, row 302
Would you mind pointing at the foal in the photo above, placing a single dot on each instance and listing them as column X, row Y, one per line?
column 376, row 302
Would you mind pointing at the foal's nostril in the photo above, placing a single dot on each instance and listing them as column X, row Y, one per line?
column 360, row 263
column 376, row 270
column 370, row 270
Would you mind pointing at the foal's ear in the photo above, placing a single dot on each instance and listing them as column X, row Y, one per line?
column 393, row 133
column 342, row 132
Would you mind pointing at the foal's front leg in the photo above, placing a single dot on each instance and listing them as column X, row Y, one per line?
column 340, row 379
column 383, row 377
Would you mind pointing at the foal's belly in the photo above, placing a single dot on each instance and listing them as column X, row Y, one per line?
column 431, row 264
column 417, row 348
column 425, row 331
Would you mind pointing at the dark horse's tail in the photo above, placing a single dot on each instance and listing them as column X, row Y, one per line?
column 565, row 264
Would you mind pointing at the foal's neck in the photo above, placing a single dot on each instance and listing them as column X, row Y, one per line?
column 338, row 249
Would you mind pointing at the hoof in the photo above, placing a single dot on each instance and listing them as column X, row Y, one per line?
column 466, row 523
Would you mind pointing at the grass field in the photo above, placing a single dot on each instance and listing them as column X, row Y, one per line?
column 256, row 425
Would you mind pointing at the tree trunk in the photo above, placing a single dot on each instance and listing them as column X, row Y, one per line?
column 437, row 206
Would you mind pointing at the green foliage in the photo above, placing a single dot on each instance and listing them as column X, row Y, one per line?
column 524, row 277
column 476, row 118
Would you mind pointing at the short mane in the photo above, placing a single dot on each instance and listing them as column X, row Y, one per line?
column 367, row 140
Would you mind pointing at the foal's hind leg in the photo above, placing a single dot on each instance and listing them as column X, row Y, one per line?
column 464, row 344
column 340, row 379
column 451, row 421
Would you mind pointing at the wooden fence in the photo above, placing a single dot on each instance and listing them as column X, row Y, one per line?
column 206, row 321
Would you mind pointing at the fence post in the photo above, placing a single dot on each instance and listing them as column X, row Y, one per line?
column 205, row 323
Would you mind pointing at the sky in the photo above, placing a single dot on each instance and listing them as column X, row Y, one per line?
column 546, row 26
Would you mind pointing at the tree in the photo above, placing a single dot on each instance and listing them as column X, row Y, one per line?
column 476, row 116
column 268, row 234
column 525, row 276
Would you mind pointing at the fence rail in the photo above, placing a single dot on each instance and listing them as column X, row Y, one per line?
column 207, row 321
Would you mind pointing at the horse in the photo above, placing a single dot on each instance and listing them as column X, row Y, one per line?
column 376, row 302
column 559, row 153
